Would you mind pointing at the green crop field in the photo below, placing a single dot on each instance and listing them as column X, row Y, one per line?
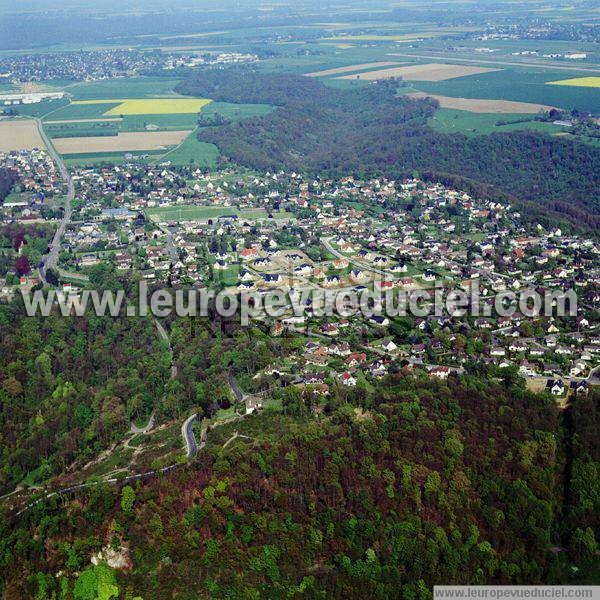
column 83, row 129
column 108, row 158
column 447, row 120
column 193, row 152
column 137, row 87
column 39, row 109
column 518, row 85
column 163, row 122
column 236, row 112
column 79, row 111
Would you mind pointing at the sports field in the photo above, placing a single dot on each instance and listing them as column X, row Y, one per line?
column 150, row 106
column 589, row 82
column 200, row 213
column 203, row 213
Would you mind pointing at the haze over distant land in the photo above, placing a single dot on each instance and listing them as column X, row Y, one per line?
column 40, row 23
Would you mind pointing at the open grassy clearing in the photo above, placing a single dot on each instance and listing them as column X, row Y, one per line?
column 236, row 112
column 427, row 72
column 191, row 151
column 448, row 120
column 147, row 140
column 19, row 134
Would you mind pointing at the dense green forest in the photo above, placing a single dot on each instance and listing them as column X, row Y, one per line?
column 382, row 494
column 7, row 180
column 19, row 243
column 369, row 131
column 70, row 386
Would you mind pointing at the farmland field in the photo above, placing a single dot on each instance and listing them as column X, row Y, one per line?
column 136, row 87
column 109, row 158
column 448, row 120
column 162, row 122
column 478, row 105
column 427, row 72
column 192, row 151
column 78, row 121
column 19, row 135
column 518, row 86
column 81, row 129
column 350, row 69
column 72, row 112
column 150, row 106
column 589, row 82
column 147, row 140
column 39, row 109
column 403, row 37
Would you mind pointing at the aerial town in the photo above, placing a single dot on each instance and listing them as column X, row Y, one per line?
column 95, row 65
column 249, row 232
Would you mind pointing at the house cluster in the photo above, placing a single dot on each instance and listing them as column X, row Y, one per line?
column 38, row 182
column 434, row 234
column 81, row 65
column 254, row 233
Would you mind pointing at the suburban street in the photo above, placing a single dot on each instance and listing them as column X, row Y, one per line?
column 50, row 260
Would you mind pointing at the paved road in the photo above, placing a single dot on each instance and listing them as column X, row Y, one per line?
column 192, row 449
column 187, row 431
column 50, row 260
column 148, row 427
column 170, row 245
column 237, row 392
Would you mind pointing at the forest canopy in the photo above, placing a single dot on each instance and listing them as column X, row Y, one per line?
column 371, row 131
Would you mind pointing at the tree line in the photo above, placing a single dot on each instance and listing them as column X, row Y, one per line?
column 370, row 131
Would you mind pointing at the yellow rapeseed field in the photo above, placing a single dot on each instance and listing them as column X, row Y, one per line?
column 591, row 82
column 152, row 106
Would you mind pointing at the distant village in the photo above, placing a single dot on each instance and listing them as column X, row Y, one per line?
column 107, row 64
column 244, row 231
